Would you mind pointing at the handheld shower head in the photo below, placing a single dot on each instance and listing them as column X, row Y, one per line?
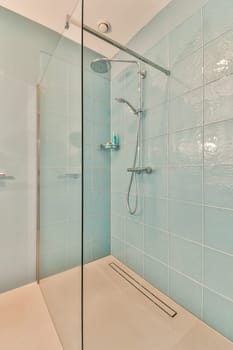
column 122, row 100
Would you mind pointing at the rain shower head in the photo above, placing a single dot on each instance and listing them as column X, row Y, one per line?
column 122, row 100
column 101, row 65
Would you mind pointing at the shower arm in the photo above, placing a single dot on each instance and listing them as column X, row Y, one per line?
column 112, row 42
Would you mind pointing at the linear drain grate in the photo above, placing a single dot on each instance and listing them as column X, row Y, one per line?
column 155, row 300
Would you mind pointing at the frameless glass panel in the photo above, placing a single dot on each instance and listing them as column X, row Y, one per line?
column 60, row 184
column 21, row 41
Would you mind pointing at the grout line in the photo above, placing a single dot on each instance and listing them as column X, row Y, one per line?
column 175, row 235
column 171, row 234
column 225, row 76
column 202, row 285
column 218, row 122
column 218, row 251
column 182, row 201
column 218, row 294
column 206, row 43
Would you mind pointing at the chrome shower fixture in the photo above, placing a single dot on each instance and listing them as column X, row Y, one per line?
column 103, row 65
column 134, row 110
column 70, row 20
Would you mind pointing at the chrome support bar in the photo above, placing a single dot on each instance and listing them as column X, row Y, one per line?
column 140, row 170
column 4, row 176
column 73, row 176
column 121, row 47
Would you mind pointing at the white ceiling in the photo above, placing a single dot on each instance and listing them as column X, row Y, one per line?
column 127, row 17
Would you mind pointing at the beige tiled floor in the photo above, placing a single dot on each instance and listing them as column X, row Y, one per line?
column 25, row 323
column 118, row 317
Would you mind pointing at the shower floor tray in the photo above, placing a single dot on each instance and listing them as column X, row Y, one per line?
column 118, row 315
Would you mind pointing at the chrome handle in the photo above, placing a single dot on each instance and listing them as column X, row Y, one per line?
column 73, row 176
column 4, row 176
column 140, row 170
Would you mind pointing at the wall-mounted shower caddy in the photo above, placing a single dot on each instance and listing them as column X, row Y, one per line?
column 109, row 146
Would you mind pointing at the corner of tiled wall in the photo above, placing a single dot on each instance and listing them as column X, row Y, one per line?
column 181, row 241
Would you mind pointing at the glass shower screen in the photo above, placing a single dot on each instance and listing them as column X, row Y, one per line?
column 60, row 183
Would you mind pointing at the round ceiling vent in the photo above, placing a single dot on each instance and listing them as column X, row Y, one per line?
column 104, row 27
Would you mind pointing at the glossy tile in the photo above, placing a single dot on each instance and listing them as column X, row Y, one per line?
column 155, row 151
column 101, row 179
column 155, row 184
column 101, row 249
column 219, row 186
column 185, row 183
column 73, row 246
column 217, row 18
column 156, row 273
column 185, row 147
column 217, row 272
column 130, row 85
column 117, row 226
column 218, row 101
column 139, row 214
column 52, row 237
column 117, row 248
column 186, row 292
column 54, row 208
column 218, row 143
column 186, row 257
column 186, row 38
column 185, row 220
column 177, row 146
column 119, row 180
column 118, row 202
column 134, row 233
column 217, row 313
column 156, row 243
column 186, row 111
column 160, row 52
column 130, row 125
column 218, row 229
column 156, row 88
column 187, row 74
column 155, row 121
column 52, row 262
column 155, row 212
column 218, row 58
column 134, row 259
column 100, row 133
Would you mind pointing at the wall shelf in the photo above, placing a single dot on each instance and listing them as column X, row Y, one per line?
column 109, row 146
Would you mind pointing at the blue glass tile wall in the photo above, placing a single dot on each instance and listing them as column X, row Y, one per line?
column 181, row 239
